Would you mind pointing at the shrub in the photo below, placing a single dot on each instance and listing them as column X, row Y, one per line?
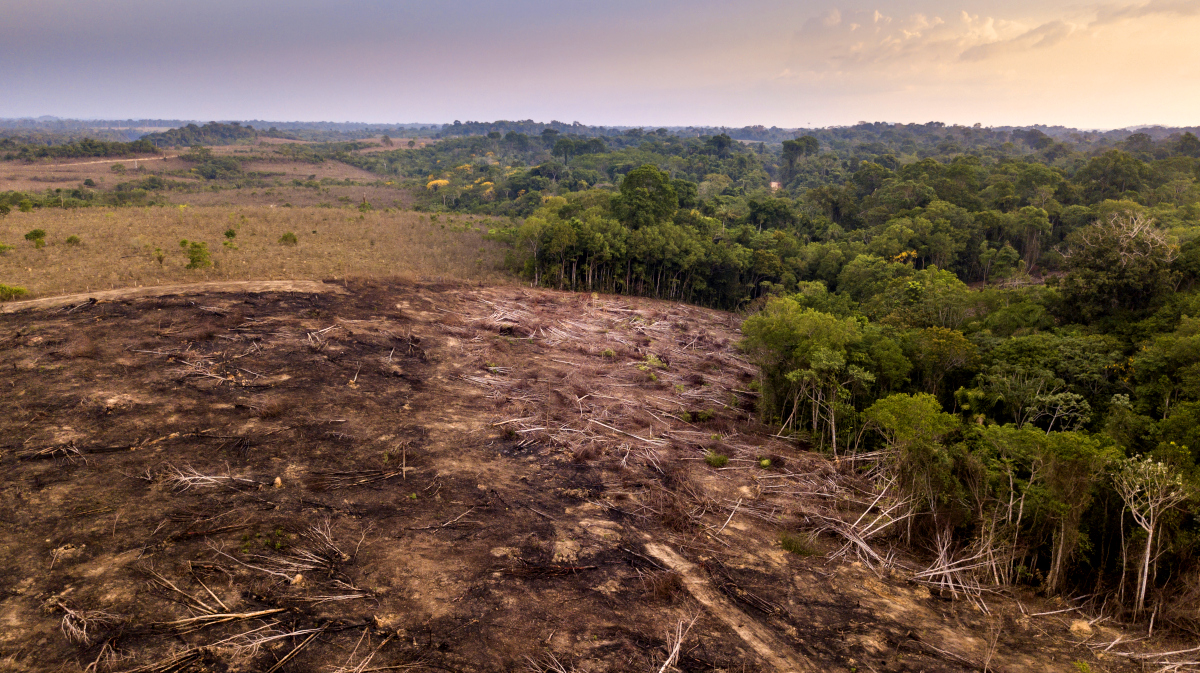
column 765, row 463
column 89, row 183
column 197, row 253
column 10, row 292
column 796, row 545
column 715, row 459
column 25, row 206
column 5, row 209
column 74, row 240
column 35, row 235
column 230, row 234
column 288, row 239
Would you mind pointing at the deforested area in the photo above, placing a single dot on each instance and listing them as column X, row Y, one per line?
column 386, row 475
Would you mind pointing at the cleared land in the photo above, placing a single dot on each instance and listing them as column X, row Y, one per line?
column 262, row 163
column 433, row 477
column 120, row 247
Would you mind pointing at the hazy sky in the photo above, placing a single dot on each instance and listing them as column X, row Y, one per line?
column 674, row 62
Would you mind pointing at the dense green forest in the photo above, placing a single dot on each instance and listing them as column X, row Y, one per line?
column 84, row 147
column 999, row 326
column 213, row 133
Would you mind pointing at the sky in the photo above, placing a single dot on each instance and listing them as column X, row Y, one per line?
column 799, row 63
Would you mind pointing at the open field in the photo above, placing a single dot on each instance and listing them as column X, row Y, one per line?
column 432, row 477
column 273, row 186
column 119, row 246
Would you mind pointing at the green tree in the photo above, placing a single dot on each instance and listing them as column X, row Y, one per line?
column 936, row 351
column 1122, row 265
column 1150, row 488
column 646, row 197
column 804, row 357
column 913, row 428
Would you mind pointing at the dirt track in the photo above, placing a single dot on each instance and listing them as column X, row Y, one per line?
column 431, row 478
column 189, row 289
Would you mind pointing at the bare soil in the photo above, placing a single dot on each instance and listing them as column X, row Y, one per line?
column 400, row 476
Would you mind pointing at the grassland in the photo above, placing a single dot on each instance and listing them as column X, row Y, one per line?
column 120, row 247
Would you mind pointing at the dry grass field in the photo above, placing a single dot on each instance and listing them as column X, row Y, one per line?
column 275, row 176
column 119, row 247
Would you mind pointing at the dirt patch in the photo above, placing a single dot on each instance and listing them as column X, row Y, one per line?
column 248, row 286
column 430, row 477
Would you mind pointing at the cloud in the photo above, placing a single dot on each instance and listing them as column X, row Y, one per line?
column 839, row 42
column 1108, row 14
column 853, row 40
column 1046, row 35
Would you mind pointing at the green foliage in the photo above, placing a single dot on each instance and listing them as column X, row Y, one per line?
column 10, row 292
column 715, row 459
column 213, row 133
column 74, row 241
column 808, row 359
column 35, row 235
column 288, row 239
column 653, row 361
column 86, row 147
column 197, row 254
column 796, row 545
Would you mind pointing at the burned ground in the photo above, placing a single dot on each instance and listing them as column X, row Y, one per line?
column 396, row 476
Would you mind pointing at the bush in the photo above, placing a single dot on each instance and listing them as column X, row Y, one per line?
column 715, row 459
column 89, row 183
column 197, row 253
column 74, row 240
column 5, row 209
column 35, row 235
column 796, row 545
column 25, row 206
column 288, row 239
column 10, row 292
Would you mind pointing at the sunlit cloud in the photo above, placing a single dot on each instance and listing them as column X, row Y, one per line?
column 673, row 62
